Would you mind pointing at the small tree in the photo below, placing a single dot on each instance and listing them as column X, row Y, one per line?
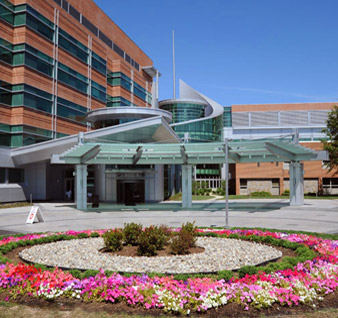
column 331, row 144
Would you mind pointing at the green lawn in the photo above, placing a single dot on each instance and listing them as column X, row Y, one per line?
column 178, row 197
column 239, row 197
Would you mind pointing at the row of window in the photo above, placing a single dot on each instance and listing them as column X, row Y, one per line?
column 23, row 135
column 92, row 28
column 120, row 79
column 36, row 21
column 203, row 130
column 184, row 111
column 117, row 101
column 28, row 96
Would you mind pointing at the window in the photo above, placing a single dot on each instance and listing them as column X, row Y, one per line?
column 139, row 91
column 119, row 79
column 39, row 26
column 99, row 64
column 73, row 46
column 90, row 26
column 2, row 175
column 243, row 184
column 70, row 110
column 72, row 78
column 105, row 39
column 118, row 50
column 117, row 101
column 16, row 175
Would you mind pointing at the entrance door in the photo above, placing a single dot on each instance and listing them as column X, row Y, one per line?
column 130, row 192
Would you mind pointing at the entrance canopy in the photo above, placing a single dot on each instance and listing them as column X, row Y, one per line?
column 272, row 150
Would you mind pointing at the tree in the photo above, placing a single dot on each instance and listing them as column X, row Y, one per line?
column 331, row 143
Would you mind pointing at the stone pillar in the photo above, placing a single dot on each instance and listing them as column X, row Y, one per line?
column 296, row 184
column 100, row 181
column 186, row 186
column 81, row 187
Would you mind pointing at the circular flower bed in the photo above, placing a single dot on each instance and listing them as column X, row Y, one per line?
column 301, row 280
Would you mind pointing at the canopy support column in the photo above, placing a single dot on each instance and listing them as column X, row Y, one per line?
column 186, row 186
column 296, row 183
column 81, row 187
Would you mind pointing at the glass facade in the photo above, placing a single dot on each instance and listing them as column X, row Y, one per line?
column 117, row 101
column 120, row 79
column 227, row 117
column 200, row 130
column 99, row 64
column 23, row 135
column 72, row 78
column 184, row 111
column 72, row 46
column 99, row 91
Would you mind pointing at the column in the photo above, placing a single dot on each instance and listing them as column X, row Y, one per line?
column 296, row 184
column 186, row 186
column 100, row 181
column 81, row 187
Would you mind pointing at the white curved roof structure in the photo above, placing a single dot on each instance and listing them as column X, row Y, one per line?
column 213, row 109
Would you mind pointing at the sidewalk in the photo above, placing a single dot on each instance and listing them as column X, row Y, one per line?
column 314, row 216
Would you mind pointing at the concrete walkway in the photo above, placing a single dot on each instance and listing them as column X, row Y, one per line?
column 314, row 215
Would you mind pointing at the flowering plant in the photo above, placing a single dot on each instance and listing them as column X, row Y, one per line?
column 305, row 282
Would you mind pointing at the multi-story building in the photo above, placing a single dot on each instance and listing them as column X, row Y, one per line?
column 59, row 60
column 66, row 68
column 279, row 121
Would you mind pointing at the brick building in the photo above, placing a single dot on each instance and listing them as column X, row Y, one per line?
column 279, row 121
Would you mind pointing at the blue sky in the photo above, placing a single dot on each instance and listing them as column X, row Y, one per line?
column 238, row 51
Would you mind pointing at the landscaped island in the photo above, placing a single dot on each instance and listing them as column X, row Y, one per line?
column 306, row 278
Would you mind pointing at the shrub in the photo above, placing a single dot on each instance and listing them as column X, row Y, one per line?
column 131, row 233
column 250, row 270
column 146, row 245
column 286, row 192
column 184, row 239
column 225, row 274
column 260, row 194
column 151, row 240
column 83, row 235
column 113, row 240
column 180, row 243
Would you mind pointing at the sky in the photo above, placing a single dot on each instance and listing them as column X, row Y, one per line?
column 238, row 51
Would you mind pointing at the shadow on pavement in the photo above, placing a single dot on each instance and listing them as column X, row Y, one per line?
column 250, row 207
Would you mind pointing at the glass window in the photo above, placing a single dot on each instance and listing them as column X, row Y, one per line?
column 6, row 14
column 72, row 114
column 39, row 27
column 2, row 173
column 90, row 26
column 38, row 64
column 74, row 13
column 16, row 175
column 37, row 103
column 98, row 66
column 6, row 55
column 73, row 49
column 20, row 19
column 72, row 81
column 118, row 50
column 117, row 101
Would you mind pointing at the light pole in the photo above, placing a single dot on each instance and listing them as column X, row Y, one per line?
column 226, row 182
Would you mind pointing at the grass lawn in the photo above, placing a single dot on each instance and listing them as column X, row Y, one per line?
column 239, row 197
column 14, row 205
column 178, row 197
